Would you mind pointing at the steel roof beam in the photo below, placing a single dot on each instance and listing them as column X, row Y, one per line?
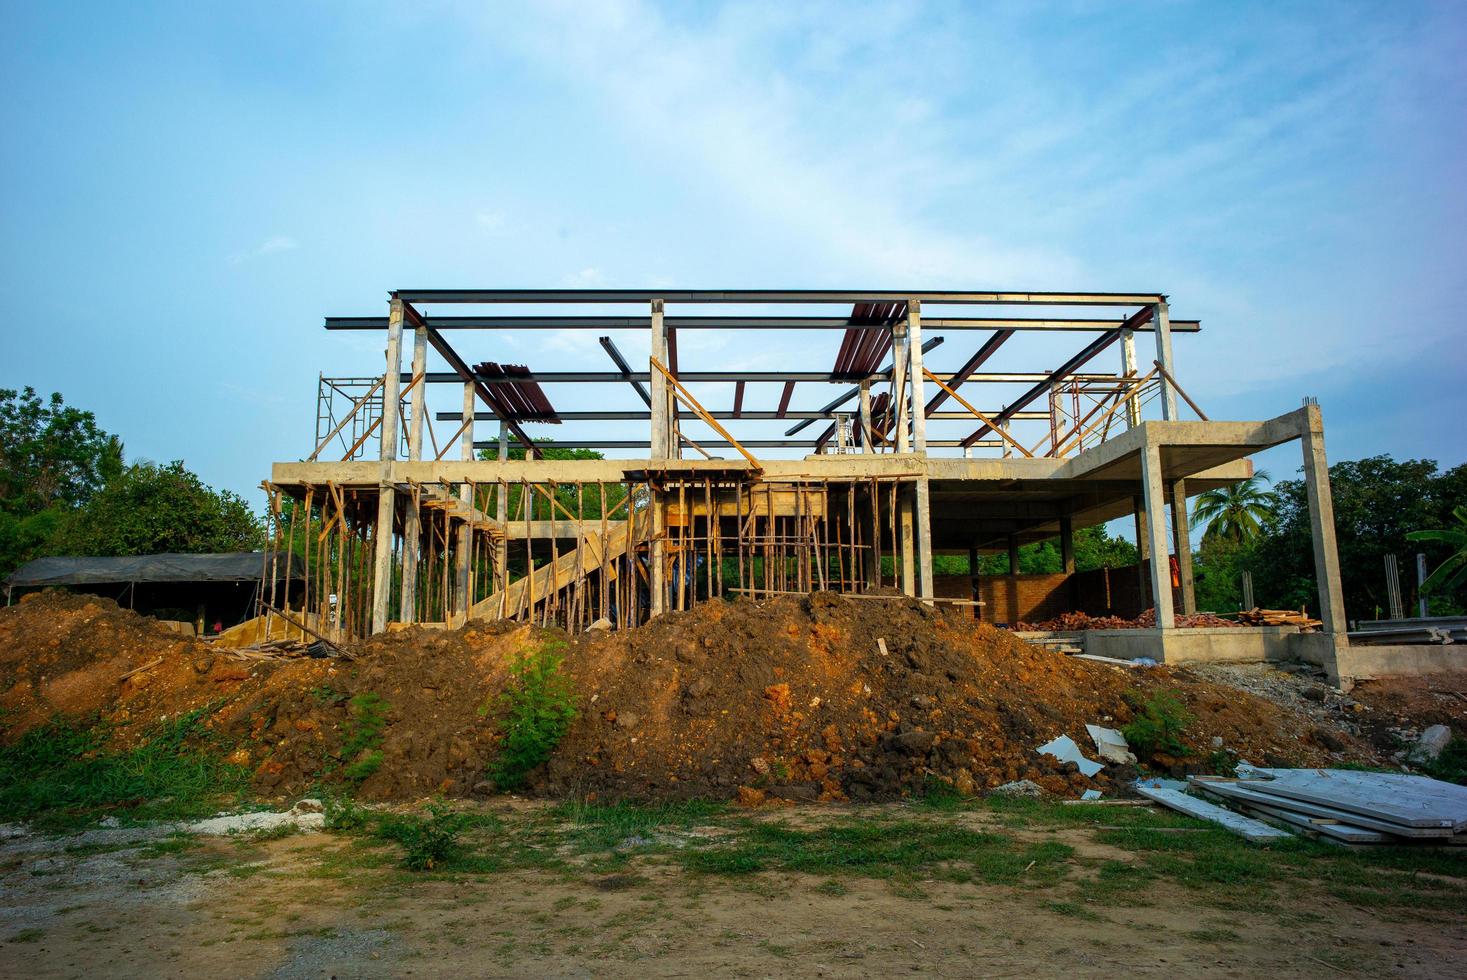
column 844, row 297
column 741, row 323
column 966, row 371
column 713, row 444
column 462, row 372
column 626, row 371
column 882, row 375
column 760, row 377
column 635, row 416
column 1089, row 351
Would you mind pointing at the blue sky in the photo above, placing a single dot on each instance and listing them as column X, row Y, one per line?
column 187, row 189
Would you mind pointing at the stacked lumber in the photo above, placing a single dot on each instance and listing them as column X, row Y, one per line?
column 1278, row 617
column 1347, row 806
column 286, row 649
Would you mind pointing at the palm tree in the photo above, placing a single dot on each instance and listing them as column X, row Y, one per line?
column 1452, row 572
column 1237, row 511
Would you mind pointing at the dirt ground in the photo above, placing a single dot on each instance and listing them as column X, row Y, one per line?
column 318, row 905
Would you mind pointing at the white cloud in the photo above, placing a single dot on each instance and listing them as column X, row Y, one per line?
column 270, row 246
column 714, row 98
column 492, row 222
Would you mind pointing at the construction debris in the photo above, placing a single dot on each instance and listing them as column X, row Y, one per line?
column 1064, row 749
column 1079, row 621
column 1348, row 805
column 1253, row 831
column 1111, row 745
column 1279, row 617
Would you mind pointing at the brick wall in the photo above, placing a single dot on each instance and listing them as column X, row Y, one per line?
column 1010, row 598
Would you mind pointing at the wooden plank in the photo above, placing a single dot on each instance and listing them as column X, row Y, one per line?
column 1245, row 791
column 1398, row 798
column 1253, row 831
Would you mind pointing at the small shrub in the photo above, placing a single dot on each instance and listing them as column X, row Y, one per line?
column 1451, row 765
column 363, row 729
column 1158, row 723
column 342, row 814
column 539, row 708
column 1221, row 763
column 428, row 843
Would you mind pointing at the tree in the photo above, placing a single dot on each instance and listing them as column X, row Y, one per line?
column 53, row 458
column 149, row 508
column 1094, row 548
column 1237, row 511
column 584, row 500
column 1378, row 501
column 1452, row 573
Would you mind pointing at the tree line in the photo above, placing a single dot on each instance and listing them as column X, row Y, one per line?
column 65, row 489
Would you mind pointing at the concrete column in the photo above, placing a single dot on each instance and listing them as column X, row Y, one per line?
column 417, row 398
column 501, row 514
column 661, row 416
column 412, row 520
column 1322, row 524
column 867, row 442
column 1155, row 500
column 662, row 448
column 1013, row 554
column 900, row 365
column 386, row 502
column 1161, row 322
column 1182, row 544
column 466, row 497
column 1128, row 367
column 1067, row 544
column 923, row 497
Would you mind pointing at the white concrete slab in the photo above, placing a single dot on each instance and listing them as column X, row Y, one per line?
column 1253, row 831
column 1398, row 798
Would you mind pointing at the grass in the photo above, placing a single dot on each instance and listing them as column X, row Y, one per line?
column 63, row 775
column 881, row 848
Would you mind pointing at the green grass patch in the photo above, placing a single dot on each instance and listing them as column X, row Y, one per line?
column 882, row 849
column 361, row 748
column 62, row 775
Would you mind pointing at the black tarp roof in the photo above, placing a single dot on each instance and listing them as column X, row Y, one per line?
column 239, row 566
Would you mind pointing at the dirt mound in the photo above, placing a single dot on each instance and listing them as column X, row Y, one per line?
column 81, row 655
column 790, row 697
column 794, row 697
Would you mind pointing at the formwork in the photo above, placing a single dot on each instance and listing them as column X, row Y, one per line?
column 405, row 516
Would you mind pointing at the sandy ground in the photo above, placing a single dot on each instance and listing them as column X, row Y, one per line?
column 144, row 903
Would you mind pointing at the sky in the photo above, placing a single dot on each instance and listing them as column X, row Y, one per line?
column 187, row 189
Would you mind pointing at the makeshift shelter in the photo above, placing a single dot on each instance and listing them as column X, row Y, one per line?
column 218, row 590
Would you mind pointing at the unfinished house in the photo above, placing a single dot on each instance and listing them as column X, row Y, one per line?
column 417, row 517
